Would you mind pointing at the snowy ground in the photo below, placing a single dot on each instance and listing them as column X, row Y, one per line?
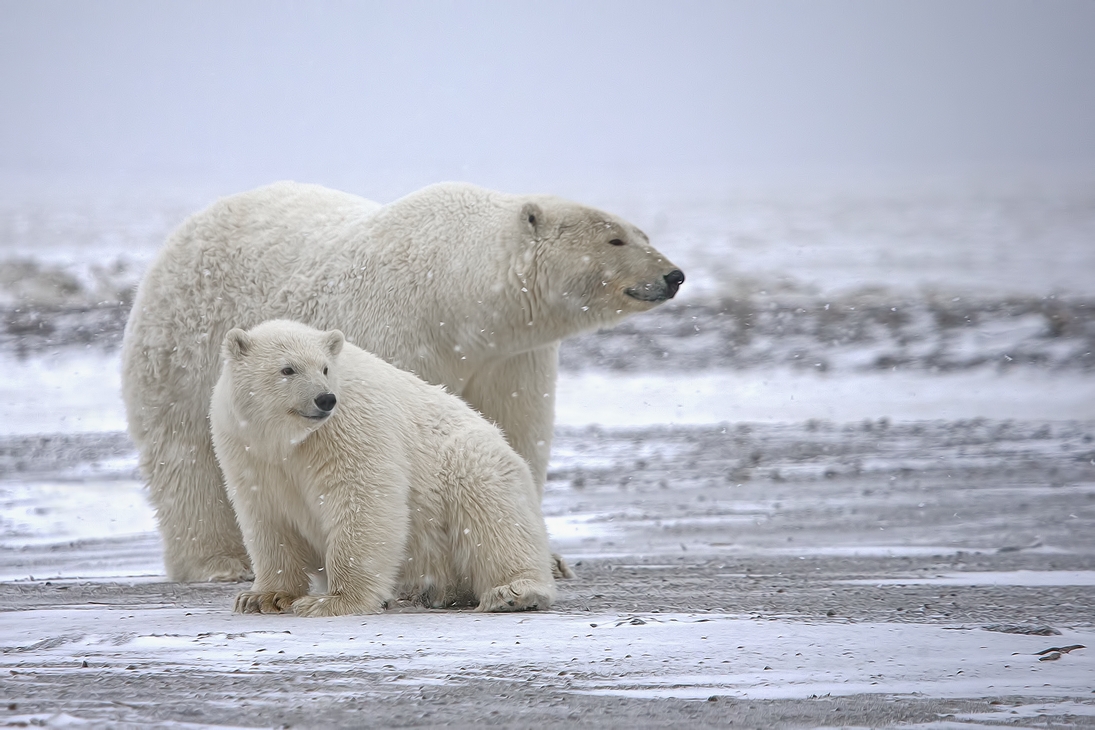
column 788, row 503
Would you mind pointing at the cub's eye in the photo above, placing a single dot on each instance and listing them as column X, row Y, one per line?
column 324, row 369
column 288, row 371
column 616, row 242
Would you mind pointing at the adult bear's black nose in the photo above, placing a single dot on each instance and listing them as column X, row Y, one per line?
column 325, row 401
column 673, row 281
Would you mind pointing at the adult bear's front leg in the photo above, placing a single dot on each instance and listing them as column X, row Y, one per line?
column 201, row 539
column 518, row 394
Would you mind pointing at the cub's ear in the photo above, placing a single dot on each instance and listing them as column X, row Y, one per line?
column 334, row 341
column 532, row 217
column 236, row 344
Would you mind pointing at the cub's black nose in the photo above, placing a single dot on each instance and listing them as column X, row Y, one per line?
column 325, row 401
column 673, row 281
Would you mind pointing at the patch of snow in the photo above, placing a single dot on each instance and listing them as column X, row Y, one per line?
column 687, row 656
column 1042, row 709
column 568, row 528
column 1002, row 578
column 37, row 512
column 887, row 551
column 611, row 399
column 129, row 560
column 66, row 392
column 73, row 391
column 66, row 720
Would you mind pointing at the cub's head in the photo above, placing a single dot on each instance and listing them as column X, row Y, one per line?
column 282, row 377
column 588, row 261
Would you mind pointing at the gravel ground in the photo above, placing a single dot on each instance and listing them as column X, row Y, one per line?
column 796, row 528
column 804, row 550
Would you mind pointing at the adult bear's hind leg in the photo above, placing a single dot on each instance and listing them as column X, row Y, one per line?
column 498, row 534
column 202, row 541
column 518, row 394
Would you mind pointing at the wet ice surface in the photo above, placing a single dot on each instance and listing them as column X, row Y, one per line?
column 816, row 501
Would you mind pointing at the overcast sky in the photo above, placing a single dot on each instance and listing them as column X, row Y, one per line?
column 245, row 92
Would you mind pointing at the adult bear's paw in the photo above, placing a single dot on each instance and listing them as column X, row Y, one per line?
column 520, row 595
column 224, row 569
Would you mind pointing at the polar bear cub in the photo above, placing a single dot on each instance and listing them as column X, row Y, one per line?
column 343, row 467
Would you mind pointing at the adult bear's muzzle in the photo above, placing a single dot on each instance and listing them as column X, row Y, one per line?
column 673, row 281
column 658, row 291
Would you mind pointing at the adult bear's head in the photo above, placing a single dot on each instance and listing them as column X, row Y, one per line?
column 591, row 263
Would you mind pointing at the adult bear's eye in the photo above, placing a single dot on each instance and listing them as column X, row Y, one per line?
column 288, row 371
column 617, row 242
column 324, row 369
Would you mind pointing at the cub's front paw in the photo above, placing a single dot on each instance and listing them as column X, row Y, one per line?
column 313, row 606
column 264, row 602
column 520, row 595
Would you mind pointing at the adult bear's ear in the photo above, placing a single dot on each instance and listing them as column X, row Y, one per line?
column 236, row 344
column 334, row 342
column 533, row 218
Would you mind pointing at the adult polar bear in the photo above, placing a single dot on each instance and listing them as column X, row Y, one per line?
column 466, row 287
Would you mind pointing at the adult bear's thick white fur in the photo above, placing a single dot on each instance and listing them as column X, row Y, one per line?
column 344, row 467
column 467, row 288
